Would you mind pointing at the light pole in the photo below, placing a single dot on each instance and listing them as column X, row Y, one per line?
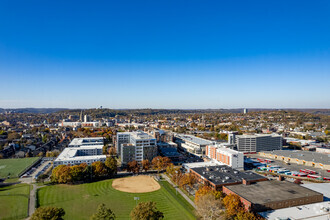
column 136, row 200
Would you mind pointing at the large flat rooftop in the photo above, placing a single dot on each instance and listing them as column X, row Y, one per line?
column 303, row 155
column 223, row 174
column 316, row 211
column 271, row 191
column 196, row 140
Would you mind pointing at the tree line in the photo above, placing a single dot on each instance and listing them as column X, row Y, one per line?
column 83, row 172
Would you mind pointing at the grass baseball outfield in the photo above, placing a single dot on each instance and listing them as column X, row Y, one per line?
column 81, row 201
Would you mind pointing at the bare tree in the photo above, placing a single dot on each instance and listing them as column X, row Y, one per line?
column 209, row 208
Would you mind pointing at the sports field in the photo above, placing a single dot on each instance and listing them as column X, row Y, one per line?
column 14, row 201
column 81, row 201
column 14, row 166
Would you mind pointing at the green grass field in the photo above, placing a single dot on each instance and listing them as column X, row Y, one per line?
column 14, row 201
column 81, row 201
column 14, row 166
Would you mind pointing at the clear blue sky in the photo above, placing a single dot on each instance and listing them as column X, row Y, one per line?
column 165, row 54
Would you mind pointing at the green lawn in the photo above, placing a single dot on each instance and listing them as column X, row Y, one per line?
column 81, row 201
column 14, row 166
column 14, row 201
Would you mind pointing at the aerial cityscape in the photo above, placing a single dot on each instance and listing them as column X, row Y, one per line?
column 149, row 110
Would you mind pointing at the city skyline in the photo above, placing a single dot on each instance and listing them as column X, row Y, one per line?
column 168, row 55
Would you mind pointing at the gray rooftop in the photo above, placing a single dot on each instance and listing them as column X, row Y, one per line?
column 196, row 140
column 303, row 155
column 271, row 191
column 222, row 174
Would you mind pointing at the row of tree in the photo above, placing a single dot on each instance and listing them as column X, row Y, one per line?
column 84, row 172
column 158, row 163
column 143, row 211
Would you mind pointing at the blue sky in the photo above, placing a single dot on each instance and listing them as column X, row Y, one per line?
column 165, row 54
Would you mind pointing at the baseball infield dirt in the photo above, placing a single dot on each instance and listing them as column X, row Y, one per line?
column 136, row 184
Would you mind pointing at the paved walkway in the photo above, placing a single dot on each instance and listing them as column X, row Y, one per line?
column 180, row 191
column 32, row 200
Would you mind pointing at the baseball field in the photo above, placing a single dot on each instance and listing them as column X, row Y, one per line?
column 81, row 201
column 13, row 167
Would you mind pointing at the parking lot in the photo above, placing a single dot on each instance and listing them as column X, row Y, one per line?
column 32, row 174
column 293, row 166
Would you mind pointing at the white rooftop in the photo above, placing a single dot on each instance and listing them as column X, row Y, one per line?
column 86, row 141
column 316, row 211
column 202, row 164
column 323, row 188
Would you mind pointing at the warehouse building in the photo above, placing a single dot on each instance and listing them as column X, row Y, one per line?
column 306, row 158
column 225, row 156
column 222, row 175
column 270, row 195
column 315, row 211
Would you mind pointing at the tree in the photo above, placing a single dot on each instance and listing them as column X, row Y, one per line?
column 103, row 213
column 40, row 154
column 208, row 207
column 99, row 169
column 244, row 215
column 188, row 179
column 203, row 190
column 145, row 165
column 105, row 149
column 146, row 211
column 112, row 151
column 233, row 205
column 160, row 163
column 133, row 166
column 48, row 213
column 61, row 174
column 111, row 164
column 76, row 173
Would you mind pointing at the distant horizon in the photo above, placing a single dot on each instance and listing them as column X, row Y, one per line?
column 166, row 108
column 165, row 54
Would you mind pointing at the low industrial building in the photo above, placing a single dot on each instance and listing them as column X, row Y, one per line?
column 306, row 158
column 226, row 156
column 192, row 144
column 315, row 211
column 222, row 175
column 269, row 195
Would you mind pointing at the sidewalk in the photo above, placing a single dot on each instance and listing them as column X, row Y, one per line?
column 180, row 191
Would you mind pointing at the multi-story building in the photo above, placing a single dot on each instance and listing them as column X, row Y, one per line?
column 229, row 157
column 79, row 142
column 136, row 146
column 258, row 142
column 82, row 150
column 192, row 144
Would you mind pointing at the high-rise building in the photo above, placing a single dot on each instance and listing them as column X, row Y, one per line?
column 87, row 118
column 136, row 146
column 258, row 142
column 245, row 110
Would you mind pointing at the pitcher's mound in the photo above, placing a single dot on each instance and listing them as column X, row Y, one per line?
column 136, row 184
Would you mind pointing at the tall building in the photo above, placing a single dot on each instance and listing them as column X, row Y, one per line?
column 258, row 142
column 245, row 110
column 87, row 118
column 136, row 146
column 225, row 156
